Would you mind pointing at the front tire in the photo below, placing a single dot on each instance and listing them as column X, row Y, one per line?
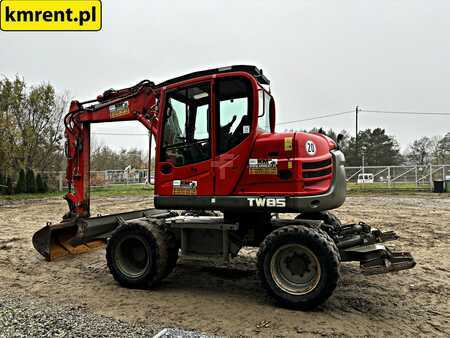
column 298, row 266
column 138, row 253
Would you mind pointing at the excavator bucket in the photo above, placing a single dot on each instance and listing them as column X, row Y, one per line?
column 79, row 235
column 58, row 240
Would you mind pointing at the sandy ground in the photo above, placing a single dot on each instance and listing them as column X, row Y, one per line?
column 231, row 301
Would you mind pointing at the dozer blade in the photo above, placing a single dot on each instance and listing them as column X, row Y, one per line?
column 377, row 259
column 395, row 261
column 57, row 240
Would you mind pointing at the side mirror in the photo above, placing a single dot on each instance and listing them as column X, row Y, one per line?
column 272, row 115
column 339, row 139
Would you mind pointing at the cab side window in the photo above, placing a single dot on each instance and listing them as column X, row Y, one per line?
column 234, row 108
column 186, row 136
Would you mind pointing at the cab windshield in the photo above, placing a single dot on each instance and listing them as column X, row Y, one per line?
column 263, row 110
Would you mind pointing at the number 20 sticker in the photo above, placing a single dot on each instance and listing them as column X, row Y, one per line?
column 310, row 148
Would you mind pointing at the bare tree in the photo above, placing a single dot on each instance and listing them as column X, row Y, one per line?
column 420, row 151
column 443, row 149
column 32, row 129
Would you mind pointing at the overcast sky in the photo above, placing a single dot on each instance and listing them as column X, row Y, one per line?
column 321, row 57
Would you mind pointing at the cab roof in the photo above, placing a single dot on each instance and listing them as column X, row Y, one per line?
column 252, row 70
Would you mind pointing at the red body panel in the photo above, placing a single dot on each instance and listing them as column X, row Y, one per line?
column 288, row 179
column 198, row 172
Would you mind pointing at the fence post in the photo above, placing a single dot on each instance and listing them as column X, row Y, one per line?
column 389, row 177
column 431, row 177
column 60, row 181
column 417, row 183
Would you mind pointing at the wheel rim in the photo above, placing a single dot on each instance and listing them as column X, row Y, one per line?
column 295, row 269
column 132, row 256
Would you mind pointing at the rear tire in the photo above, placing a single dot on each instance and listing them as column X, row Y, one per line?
column 137, row 254
column 326, row 216
column 173, row 250
column 298, row 266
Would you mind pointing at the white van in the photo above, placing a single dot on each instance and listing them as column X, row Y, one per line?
column 365, row 178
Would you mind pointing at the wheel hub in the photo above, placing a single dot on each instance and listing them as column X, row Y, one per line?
column 295, row 269
column 297, row 264
column 132, row 256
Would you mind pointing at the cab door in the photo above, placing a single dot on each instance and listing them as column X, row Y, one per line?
column 235, row 98
column 184, row 159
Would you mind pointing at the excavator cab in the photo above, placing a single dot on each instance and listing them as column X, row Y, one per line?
column 205, row 123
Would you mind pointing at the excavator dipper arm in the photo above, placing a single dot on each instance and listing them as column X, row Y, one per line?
column 137, row 103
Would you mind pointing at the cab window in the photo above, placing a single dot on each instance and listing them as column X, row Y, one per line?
column 186, row 137
column 234, row 109
column 263, row 110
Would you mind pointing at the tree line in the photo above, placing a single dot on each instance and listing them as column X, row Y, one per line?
column 31, row 134
column 31, row 141
column 105, row 158
column 381, row 149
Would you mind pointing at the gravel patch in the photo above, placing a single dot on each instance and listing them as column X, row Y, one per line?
column 20, row 317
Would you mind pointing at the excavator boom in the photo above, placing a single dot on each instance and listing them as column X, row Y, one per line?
column 136, row 103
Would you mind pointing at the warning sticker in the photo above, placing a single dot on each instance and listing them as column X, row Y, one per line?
column 288, row 144
column 118, row 110
column 184, row 187
column 262, row 167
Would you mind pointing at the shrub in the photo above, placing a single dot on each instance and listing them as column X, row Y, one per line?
column 2, row 183
column 41, row 184
column 9, row 184
column 30, row 181
column 21, row 183
column 44, row 181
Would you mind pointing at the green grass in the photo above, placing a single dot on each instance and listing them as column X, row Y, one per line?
column 395, row 189
column 383, row 186
column 141, row 190
column 107, row 191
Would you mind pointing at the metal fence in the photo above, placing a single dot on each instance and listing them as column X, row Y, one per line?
column 56, row 179
column 381, row 177
column 415, row 177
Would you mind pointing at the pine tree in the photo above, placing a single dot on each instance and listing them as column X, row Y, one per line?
column 40, row 185
column 21, row 184
column 30, row 181
column 2, row 184
column 9, row 184
column 45, row 185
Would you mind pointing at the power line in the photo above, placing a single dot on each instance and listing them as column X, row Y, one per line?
column 375, row 111
column 316, row 118
column 120, row 134
column 280, row 123
column 404, row 112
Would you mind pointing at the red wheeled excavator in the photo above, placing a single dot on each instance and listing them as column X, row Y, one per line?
column 222, row 178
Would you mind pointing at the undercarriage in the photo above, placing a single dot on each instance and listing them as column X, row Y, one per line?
column 295, row 255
